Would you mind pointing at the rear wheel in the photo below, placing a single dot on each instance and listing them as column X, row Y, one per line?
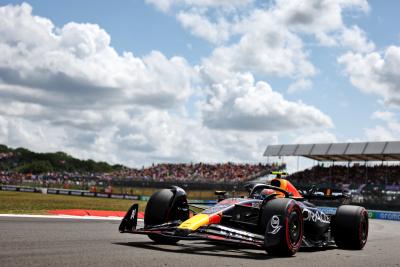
column 157, row 211
column 350, row 227
column 283, row 222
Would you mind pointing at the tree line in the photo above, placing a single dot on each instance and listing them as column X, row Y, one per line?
column 23, row 160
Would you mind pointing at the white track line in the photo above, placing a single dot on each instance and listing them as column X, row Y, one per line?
column 111, row 218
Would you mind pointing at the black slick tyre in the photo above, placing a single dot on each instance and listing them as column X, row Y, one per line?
column 157, row 211
column 284, row 225
column 350, row 227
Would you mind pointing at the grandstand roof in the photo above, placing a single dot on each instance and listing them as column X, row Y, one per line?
column 366, row 151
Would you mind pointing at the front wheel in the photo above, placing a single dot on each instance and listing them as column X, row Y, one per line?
column 283, row 221
column 156, row 212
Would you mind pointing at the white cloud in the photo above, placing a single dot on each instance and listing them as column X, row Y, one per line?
column 241, row 104
column 386, row 116
column 300, row 85
column 270, row 37
column 76, row 63
column 201, row 26
column 322, row 18
column 211, row 20
column 375, row 73
column 355, row 39
column 317, row 17
column 163, row 5
column 271, row 51
column 379, row 133
column 139, row 138
column 389, row 118
column 68, row 89
column 315, row 137
column 388, row 131
column 185, row 139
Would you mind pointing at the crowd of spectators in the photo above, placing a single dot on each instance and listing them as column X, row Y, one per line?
column 352, row 177
column 338, row 176
column 198, row 172
column 51, row 179
column 192, row 172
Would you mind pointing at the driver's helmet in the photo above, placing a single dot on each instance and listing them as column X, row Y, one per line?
column 267, row 192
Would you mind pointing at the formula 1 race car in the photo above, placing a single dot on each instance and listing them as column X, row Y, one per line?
column 275, row 217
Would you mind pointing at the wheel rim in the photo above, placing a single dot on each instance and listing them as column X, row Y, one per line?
column 363, row 229
column 294, row 227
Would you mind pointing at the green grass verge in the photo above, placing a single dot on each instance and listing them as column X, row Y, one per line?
column 37, row 203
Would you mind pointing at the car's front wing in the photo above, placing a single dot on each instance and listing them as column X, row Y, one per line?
column 212, row 232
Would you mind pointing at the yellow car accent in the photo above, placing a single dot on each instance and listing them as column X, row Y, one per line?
column 195, row 222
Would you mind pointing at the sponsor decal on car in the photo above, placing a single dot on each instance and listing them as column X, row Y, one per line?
column 315, row 216
column 235, row 231
column 133, row 214
column 275, row 224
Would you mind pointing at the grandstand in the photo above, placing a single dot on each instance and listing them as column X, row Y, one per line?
column 349, row 153
column 363, row 151
column 345, row 166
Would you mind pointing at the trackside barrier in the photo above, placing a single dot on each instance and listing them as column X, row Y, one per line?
column 18, row 188
column 117, row 196
column 52, row 191
column 68, row 192
column 131, row 197
column 384, row 215
column 27, row 189
column 76, row 193
column 373, row 214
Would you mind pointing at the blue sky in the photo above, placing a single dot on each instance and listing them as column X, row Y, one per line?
column 205, row 80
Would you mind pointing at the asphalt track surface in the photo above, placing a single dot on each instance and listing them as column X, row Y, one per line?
column 67, row 242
